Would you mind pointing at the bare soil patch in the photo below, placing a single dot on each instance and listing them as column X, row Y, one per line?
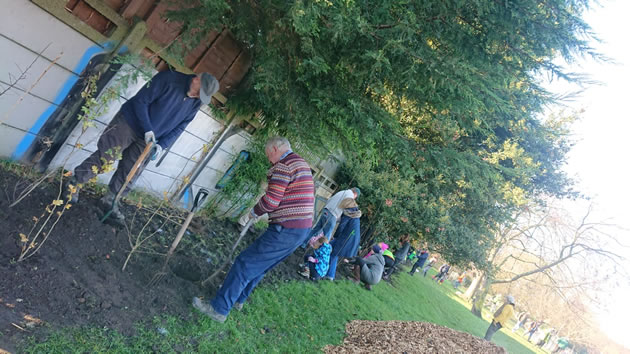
column 76, row 279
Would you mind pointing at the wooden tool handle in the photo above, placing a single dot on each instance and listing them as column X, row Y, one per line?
column 134, row 169
column 180, row 234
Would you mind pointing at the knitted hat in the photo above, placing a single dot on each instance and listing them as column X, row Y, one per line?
column 376, row 249
column 357, row 191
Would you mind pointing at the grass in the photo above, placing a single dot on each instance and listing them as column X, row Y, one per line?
column 290, row 317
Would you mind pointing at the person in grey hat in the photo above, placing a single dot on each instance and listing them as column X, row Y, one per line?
column 157, row 114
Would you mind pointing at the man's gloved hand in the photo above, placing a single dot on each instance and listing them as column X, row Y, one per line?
column 312, row 260
column 252, row 215
column 157, row 151
column 149, row 137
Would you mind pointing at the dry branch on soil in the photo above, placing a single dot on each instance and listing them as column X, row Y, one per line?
column 409, row 337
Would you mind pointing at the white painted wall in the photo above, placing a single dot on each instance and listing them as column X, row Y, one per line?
column 25, row 31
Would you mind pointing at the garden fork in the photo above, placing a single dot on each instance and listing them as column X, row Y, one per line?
column 201, row 196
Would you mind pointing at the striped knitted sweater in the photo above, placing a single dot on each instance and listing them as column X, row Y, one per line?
column 289, row 199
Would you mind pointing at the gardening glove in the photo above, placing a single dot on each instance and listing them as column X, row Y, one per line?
column 157, row 151
column 312, row 260
column 253, row 215
column 149, row 137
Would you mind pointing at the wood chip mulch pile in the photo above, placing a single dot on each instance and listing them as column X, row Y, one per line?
column 409, row 337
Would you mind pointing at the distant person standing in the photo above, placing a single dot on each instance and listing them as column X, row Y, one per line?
column 399, row 257
column 426, row 268
column 459, row 281
column 439, row 278
column 521, row 320
column 501, row 316
column 562, row 344
column 532, row 329
column 422, row 258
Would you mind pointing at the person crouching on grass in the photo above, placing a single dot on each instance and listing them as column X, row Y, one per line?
column 369, row 271
column 317, row 264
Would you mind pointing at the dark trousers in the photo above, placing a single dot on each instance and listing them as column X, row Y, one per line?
column 494, row 327
column 271, row 248
column 313, row 275
column 390, row 264
column 118, row 138
column 419, row 263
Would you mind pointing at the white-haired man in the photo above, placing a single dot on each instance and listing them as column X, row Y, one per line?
column 288, row 201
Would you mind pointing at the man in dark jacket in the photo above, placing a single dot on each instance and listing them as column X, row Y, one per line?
column 400, row 256
column 420, row 262
column 157, row 114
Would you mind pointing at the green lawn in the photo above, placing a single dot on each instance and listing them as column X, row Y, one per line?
column 290, row 317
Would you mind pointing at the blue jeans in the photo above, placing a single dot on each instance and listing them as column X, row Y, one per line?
column 271, row 248
column 332, row 268
column 326, row 223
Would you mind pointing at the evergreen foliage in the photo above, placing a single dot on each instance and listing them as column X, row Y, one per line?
column 435, row 104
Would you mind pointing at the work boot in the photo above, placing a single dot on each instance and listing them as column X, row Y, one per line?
column 106, row 204
column 71, row 186
column 207, row 309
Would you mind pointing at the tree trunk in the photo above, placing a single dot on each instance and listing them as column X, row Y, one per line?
column 480, row 296
column 473, row 286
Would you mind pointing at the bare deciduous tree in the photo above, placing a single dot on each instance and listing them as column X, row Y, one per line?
column 548, row 242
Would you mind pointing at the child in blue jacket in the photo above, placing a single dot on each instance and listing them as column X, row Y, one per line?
column 317, row 264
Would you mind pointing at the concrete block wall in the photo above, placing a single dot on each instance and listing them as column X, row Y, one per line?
column 25, row 31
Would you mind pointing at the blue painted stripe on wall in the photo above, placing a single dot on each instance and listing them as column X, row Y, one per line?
column 30, row 136
column 63, row 92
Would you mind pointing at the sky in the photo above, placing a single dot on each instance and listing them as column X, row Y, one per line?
column 600, row 161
